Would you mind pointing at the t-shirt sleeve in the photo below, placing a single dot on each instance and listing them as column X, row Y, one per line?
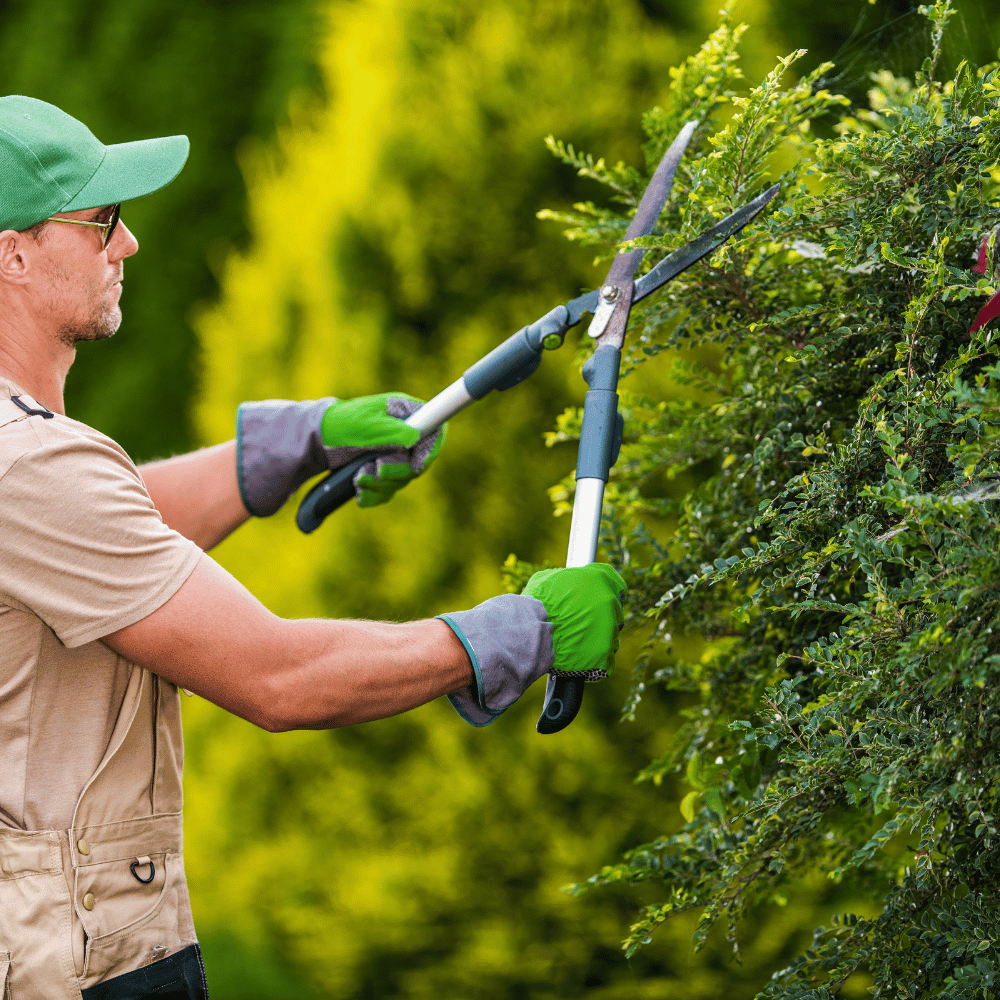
column 81, row 544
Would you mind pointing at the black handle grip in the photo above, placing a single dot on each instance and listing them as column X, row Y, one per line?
column 563, row 698
column 329, row 494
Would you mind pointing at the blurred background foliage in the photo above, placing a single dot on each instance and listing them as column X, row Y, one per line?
column 358, row 214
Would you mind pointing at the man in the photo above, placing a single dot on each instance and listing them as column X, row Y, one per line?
column 108, row 603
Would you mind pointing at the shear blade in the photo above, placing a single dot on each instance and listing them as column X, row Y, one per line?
column 624, row 266
column 674, row 263
column 709, row 241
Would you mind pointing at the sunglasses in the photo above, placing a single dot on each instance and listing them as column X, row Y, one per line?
column 108, row 226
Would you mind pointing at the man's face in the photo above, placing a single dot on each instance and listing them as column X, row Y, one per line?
column 78, row 279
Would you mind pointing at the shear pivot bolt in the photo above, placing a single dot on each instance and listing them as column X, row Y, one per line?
column 609, row 293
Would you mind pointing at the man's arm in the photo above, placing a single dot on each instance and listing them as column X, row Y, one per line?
column 198, row 494
column 214, row 637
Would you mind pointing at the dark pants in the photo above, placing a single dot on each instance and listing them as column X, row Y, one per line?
column 179, row 977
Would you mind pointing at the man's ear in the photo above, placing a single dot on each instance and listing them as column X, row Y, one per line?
column 15, row 256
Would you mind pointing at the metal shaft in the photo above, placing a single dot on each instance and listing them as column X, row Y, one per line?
column 440, row 409
column 586, row 524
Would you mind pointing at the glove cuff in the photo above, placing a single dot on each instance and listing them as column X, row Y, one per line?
column 279, row 445
column 509, row 641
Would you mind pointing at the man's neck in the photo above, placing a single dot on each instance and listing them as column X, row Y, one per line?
column 38, row 366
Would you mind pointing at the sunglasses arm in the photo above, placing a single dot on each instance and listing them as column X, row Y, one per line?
column 108, row 227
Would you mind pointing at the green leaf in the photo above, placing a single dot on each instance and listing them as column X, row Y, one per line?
column 688, row 804
column 714, row 801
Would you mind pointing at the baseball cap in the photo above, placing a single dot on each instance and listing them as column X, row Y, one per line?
column 50, row 162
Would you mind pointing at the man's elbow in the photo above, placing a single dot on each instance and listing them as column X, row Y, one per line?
column 274, row 719
column 276, row 708
column 284, row 703
column 264, row 717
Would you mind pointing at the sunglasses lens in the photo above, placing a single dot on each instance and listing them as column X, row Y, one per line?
column 115, row 216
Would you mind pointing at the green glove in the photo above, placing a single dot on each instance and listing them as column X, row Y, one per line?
column 282, row 443
column 585, row 606
column 352, row 426
column 565, row 623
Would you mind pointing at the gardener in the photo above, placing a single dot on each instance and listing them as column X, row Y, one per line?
column 108, row 603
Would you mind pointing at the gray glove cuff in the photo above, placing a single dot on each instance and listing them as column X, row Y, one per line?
column 509, row 641
column 279, row 445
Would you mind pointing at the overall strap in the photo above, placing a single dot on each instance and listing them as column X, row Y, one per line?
column 30, row 407
column 20, row 407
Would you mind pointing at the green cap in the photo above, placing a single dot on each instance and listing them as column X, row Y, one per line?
column 50, row 162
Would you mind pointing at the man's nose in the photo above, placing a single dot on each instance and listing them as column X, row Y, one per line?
column 123, row 244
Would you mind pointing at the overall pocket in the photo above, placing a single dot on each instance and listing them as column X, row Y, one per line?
column 160, row 926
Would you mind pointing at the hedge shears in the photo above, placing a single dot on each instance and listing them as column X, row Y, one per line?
column 519, row 356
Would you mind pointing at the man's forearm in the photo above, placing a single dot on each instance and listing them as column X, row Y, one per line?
column 198, row 494
column 215, row 638
column 338, row 673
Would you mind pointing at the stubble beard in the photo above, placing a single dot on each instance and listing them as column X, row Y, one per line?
column 99, row 327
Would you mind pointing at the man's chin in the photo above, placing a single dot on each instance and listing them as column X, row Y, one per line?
column 96, row 329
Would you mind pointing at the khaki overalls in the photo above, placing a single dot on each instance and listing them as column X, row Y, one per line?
column 108, row 895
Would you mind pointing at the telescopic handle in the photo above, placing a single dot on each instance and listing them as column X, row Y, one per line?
column 505, row 366
column 600, row 439
column 564, row 695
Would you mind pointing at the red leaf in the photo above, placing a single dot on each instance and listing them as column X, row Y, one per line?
column 992, row 308
column 980, row 268
column 990, row 311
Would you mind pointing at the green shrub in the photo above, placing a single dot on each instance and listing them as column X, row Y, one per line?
column 840, row 553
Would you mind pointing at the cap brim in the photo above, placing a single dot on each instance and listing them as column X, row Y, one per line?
column 130, row 170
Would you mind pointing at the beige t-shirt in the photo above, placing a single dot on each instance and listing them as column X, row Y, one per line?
column 83, row 552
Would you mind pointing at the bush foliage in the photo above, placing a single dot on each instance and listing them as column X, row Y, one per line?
column 841, row 552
